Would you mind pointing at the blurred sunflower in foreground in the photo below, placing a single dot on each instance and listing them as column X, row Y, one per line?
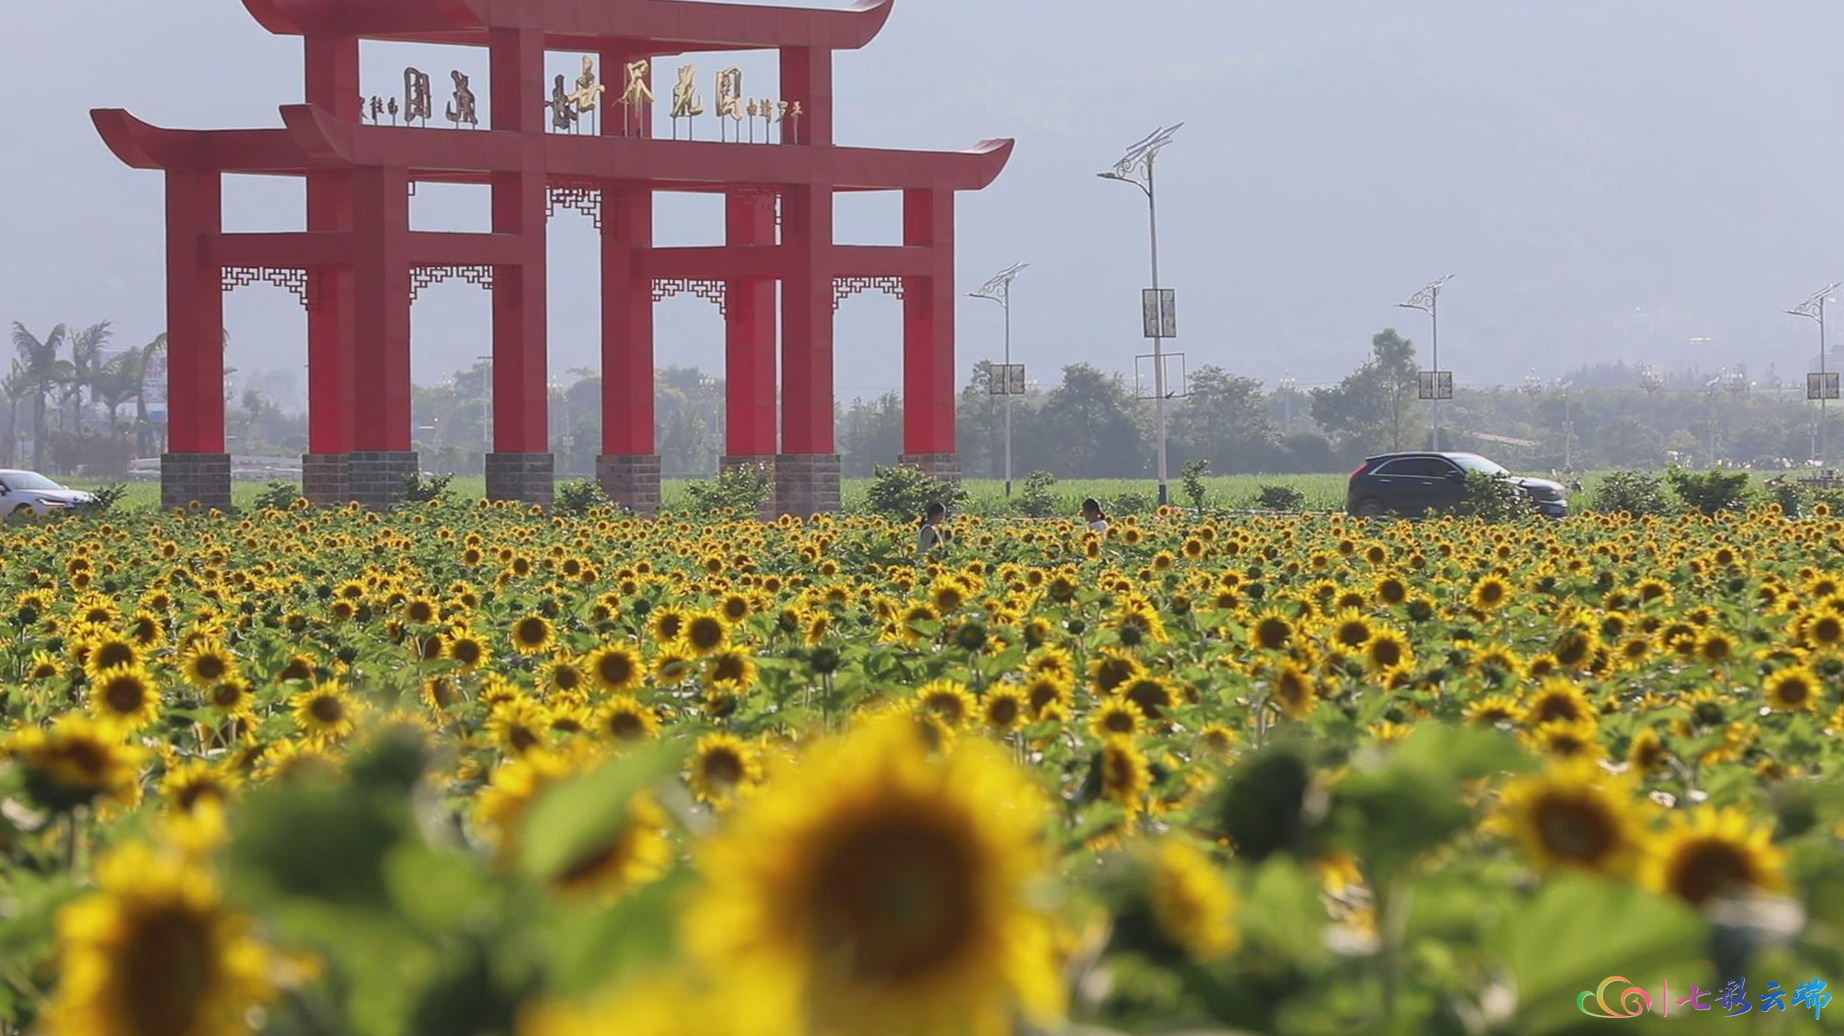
column 874, row 889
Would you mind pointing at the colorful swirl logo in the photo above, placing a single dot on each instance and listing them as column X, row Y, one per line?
column 1631, row 1003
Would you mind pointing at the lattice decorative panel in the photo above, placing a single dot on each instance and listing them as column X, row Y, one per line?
column 290, row 280
column 586, row 200
column 845, row 287
column 423, row 276
column 710, row 291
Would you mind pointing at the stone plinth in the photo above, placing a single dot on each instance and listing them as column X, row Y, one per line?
column 527, row 477
column 631, row 481
column 806, row 484
column 201, row 478
column 766, row 511
column 940, row 465
column 374, row 478
column 323, row 479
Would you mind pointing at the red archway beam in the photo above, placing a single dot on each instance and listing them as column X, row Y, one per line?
column 574, row 25
column 340, row 248
column 741, row 262
column 315, row 140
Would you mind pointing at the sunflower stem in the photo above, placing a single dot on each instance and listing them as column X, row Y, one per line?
column 70, row 843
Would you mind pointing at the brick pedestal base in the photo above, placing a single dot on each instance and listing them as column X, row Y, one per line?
column 632, row 482
column 204, row 478
column 526, row 477
column 766, row 512
column 941, row 465
column 323, row 479
column 806, row 484
column 375, row 478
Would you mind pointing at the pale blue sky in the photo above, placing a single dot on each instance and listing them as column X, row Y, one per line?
column 1606, row 178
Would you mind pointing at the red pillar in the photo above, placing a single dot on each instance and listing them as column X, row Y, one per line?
column 928, row 335
column 521, row 465
column 520, row 394
column 381, row 308
column 628, row 466
column 332, row 73
column 749, row 338
column 195, row 314
column 195, row 468
column 807, row 471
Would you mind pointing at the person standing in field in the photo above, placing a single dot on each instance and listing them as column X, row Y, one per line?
column 932, row 534
column 1091, row 514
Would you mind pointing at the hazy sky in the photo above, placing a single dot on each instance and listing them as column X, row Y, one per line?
column 1607, row 179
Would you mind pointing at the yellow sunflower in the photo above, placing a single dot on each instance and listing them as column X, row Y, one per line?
column 1794, row 689
column 623, row 719
column 1574, row 816
column 1111, row 669
column 532, row 635
column 704, row 634
column 1003, row 709
column 877, row 889
column 732, row 670
column 950, row 700
column 1714, row 853
column 109, row 652
column 614, row 668
column 723, row 766
column 1388, row 652
column 1493, row 710
column 1295, row 692
column 206, row 665
column 125, row 696
column 1193, row 907
column 325, row 712
column 76, row 762
column 1125, row 777
column 1115, row 717
column 154, row 952
column 517, row 725
column 467, row 650
column 197, row 784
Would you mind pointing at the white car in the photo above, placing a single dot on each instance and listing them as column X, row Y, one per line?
column 29, row 491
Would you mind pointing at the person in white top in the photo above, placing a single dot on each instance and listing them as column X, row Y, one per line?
column 1091, row 514
column 931, row 534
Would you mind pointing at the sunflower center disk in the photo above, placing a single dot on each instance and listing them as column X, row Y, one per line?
column 894, row 901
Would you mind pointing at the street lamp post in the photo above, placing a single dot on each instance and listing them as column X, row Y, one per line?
column 1814, row 309
column 1136, row 168
column 1428, row 300
column 999, row 290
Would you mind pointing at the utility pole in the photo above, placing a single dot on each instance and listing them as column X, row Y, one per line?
column 999, row 290
column 1136, row 168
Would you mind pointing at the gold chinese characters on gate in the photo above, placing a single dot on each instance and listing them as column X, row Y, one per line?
column 737, row 113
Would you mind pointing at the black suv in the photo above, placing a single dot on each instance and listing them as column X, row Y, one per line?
column 1415, row 483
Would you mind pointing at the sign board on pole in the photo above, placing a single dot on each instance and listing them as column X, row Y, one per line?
column 1436, row 384
column 1145, row 376
column 1159, row 312
column 1007, row 379
column 1822, row 386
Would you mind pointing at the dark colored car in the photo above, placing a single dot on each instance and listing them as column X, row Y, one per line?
column 1415, row 483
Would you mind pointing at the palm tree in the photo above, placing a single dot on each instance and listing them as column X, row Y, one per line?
column 118, row 381
column 144, row 431
column 86, row 362
column 39, row 361
column 16, row 386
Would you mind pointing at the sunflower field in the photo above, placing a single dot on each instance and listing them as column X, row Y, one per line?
column 477, row 769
